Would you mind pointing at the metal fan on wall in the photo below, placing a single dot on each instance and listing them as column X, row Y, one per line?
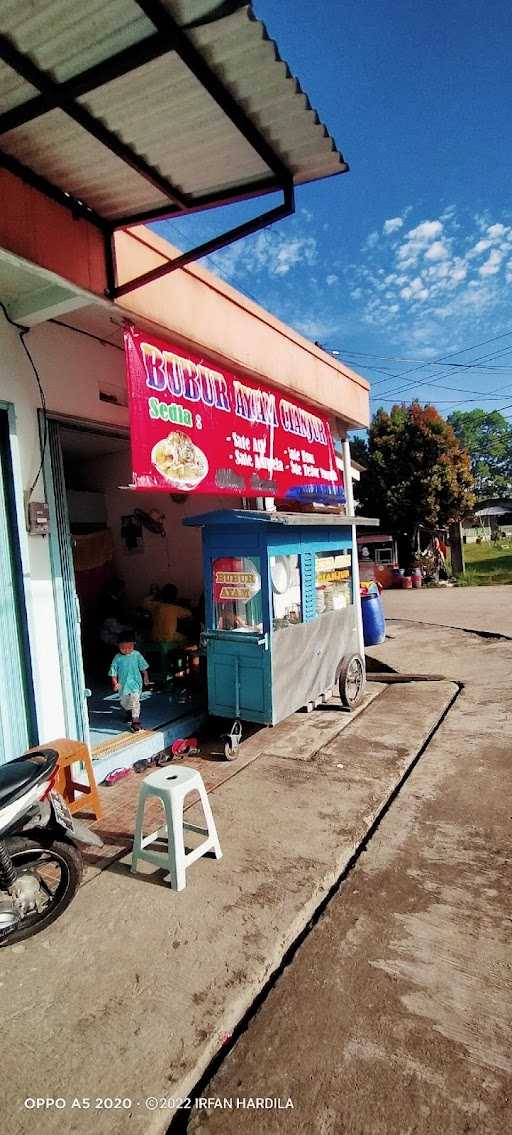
column 133, row 525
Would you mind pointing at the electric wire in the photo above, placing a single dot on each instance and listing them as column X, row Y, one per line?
column 22, row 331
column 433, row 380
column 451, row 354
column 446, row 374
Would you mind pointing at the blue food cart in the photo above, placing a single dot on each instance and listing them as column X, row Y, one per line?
column 282, row 611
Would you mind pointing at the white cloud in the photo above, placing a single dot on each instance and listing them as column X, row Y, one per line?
column 415, row 290
column 449, row 271
column 371, row 242
column 417, row 241
column 480, row 247
column 289, row 254
column 316, row 329
column 392, row 225
column 492, row 264
column 437, row 251
column 458, row 270
column 426, row 232
column 331, row 279
column 271, row 252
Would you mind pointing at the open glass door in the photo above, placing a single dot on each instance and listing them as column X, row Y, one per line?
column 66, row 599
column 238, row 657
column 17, row 718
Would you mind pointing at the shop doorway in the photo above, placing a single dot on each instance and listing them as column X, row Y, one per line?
column 111, row 556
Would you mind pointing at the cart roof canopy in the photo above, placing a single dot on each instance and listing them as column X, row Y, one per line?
column 221, row 517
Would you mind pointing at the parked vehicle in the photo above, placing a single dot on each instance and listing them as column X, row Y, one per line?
column 40, row 866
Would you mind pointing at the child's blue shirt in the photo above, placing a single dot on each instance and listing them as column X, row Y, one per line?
column 128, row 669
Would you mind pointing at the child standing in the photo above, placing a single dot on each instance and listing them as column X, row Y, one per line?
column 129, row 672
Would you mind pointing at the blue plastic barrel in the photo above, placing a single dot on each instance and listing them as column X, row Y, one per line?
column 374, row 623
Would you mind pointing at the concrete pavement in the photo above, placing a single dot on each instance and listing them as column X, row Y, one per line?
column 397, row 1019
column 134, row 990
column 487, row 609
column 395, row 1015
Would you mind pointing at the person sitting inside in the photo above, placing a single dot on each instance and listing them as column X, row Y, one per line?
column 166, row 613
column 112, row 617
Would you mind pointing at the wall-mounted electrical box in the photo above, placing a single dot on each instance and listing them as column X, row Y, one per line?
column 38, row 518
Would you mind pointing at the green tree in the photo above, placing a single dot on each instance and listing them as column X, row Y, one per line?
column 488, row 438
column 359, row 450
column 417, row 474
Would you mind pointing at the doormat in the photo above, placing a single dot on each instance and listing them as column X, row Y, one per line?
column 108, row 748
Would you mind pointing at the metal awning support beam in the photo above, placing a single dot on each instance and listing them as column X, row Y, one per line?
column 201, row 203
column 213, row 245
column 193, row 59
column 32, row 74
column 168, row 36
column 89, row 80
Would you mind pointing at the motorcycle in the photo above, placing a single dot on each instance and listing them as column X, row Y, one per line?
column 40, row 864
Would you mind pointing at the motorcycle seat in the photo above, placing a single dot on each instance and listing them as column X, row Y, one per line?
column 17, row 776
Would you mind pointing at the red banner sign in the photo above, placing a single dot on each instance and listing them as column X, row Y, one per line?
column 197, row 428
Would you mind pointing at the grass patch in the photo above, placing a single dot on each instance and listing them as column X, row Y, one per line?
column 487, row 564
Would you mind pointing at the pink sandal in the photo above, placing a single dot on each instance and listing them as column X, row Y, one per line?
column 185, row 747
column 115, row 775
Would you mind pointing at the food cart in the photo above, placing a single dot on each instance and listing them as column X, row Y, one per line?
column 378, row 555
column 283, row 620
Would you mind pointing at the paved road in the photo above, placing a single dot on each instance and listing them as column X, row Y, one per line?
column 395, row 1014
column 474, row 608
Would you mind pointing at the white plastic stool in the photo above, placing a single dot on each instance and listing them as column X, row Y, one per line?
column 171, row 785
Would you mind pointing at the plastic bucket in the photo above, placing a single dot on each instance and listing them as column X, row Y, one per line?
column 374, row 623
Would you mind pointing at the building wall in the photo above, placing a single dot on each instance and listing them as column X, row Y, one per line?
column 207, row 313
column 26, row 219
column 70, row 368
column 197, row 307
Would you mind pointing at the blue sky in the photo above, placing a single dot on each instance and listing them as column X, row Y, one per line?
column 408, row 257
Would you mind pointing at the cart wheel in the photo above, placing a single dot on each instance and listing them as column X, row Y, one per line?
column 230, row 749
column 352, row 682
column 232, row 741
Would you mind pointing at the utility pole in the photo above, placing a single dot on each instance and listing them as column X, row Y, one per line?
column 457, row 549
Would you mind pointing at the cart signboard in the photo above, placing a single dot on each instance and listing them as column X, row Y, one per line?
column 196, row 427
column 235, row 579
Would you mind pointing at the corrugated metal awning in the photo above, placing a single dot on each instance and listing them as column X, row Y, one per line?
column 143, row 108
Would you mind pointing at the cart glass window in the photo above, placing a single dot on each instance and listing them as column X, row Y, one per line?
column 333, row 580
column 237, row 594
column 383, row 556
column 286, row 591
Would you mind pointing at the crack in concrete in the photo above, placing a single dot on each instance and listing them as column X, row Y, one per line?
column 451, row 627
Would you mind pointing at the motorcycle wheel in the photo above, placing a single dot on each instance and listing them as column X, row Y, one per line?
column 58, row 866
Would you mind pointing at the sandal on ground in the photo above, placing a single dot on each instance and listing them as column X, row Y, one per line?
column 185, row 747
